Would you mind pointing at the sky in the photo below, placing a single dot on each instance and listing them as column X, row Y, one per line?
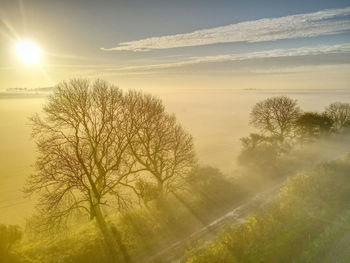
column 250, row 44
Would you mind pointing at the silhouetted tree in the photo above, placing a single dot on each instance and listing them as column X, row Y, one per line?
column 96, row 143
column 311, row 125
column 276, row 117
column 340, row 114
column 160, row 145
column 81, row 141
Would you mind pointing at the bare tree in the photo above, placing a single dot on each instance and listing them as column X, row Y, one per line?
column 159, row 144
column 82, row 143
column 276, row 116
column 340, row 114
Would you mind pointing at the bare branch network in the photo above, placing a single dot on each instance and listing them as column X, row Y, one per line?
column 99, row 146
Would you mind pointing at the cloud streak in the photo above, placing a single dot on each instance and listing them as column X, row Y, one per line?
column 274, row 53
column 325, row 22
column 193, row 61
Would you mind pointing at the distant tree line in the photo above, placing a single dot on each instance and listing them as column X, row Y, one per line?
column 283, row 125
column 281, row 119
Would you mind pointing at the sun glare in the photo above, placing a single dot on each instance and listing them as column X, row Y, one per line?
column 28, row 51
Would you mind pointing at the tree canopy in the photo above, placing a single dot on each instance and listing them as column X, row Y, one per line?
column 312, row 124
column 276, row 116
column 340, row 114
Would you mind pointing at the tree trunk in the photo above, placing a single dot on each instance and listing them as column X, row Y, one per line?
column 160, row 189
column 113, row 242
column 160, row 199
column 92, row 212
column 107, row 235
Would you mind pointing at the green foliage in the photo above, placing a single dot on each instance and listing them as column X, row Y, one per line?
column 263, row 159
column 144, row 230
column 285, row 227
column 211, row 192
column 312, row 125
column 156, row 227
column 83, row 245
column 332, row 245
column 9, row 237
column 259, row 151
column 214, row 253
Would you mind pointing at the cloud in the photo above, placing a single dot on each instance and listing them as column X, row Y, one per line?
column 295, row 69
column 332, row 21
column 273, row 53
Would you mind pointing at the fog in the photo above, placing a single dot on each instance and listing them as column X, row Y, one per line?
column 216, row 118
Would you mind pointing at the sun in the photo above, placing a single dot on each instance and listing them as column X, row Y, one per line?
column 28, row 51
